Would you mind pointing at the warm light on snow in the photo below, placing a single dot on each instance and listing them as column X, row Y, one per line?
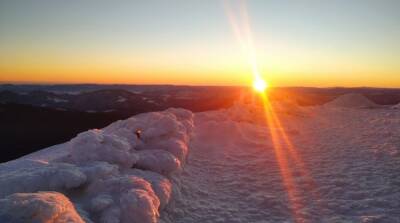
column 275, row 158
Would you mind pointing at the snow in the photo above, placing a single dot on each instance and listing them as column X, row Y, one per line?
column 109, row 175
column 123, row 199
column 57, row 100
column 58, row 176
column 352, row 101
column 345, row 168
column 94, row 145
column 397, row 106
column 121, row 99
column 159, row 161
column 38, row 207
column 309, row 164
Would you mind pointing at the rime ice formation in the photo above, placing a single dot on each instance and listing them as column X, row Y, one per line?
column 38, row 207
column 125, row 172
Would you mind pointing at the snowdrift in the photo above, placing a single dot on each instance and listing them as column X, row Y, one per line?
column 397, row 106
column 351, row 101
column 126, row 172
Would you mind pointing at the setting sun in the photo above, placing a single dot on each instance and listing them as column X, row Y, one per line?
column 260, row 85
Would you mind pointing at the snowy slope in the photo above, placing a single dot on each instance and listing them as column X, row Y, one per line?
column 320, row 164
column 345, row 168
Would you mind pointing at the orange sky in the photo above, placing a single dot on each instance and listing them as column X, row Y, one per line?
column 193, row 43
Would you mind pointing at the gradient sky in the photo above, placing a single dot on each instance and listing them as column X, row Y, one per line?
column 298, row 42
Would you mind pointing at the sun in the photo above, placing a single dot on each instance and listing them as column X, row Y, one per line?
column 260, row 85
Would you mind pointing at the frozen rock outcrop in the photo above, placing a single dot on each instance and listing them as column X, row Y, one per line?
column 95, row 145
column 49, row 177
column 124, row 199
column 124, row 173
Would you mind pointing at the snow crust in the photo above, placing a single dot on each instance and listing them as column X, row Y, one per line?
column 125, row 172
column 340, row 165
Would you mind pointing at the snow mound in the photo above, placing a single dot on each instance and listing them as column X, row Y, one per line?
column 38, row 207
column 124, row 199
column 397, row 106
column 159, row 161
column 94, row 145
column 52, row 177
column 126, row 172
column 160, row 184
column 352, row 101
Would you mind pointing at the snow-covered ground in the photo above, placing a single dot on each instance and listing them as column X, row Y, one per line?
column 305, row 164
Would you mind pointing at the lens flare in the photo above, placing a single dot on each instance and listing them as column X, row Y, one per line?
column 260, row 85
column 289, row 160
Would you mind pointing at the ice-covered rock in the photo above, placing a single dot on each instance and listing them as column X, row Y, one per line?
column 46, row 177
column 160, row 184
column 124, row 199
column 176, row 147
column 128, row 129
column 159, row 161
column 176, row 123
column 125, row 172
column 95, row 145
column 98, row 170
column 50, row 207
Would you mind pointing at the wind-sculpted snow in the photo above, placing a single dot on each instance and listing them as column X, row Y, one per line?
column 320, row 165
column 126, row 172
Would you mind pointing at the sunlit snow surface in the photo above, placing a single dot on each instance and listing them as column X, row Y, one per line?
column 218, row 166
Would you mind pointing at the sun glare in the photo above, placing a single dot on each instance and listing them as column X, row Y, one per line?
column 260, row 85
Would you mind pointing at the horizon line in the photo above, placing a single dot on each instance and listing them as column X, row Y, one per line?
column 180, row 85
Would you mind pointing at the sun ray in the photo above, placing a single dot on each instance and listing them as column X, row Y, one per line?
column 285, row 152
column 242, row 31
column 282, row 159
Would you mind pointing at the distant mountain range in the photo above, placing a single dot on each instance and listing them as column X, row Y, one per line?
column 33, row 117
column 121, row 101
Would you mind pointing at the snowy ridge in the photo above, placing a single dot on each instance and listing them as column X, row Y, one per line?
column 126, row 172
